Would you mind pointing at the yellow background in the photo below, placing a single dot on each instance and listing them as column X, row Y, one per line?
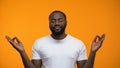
column 28, row 20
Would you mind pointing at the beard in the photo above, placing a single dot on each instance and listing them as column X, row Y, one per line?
column 58, row 32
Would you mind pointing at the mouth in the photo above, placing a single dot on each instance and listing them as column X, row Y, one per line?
column 57, row 28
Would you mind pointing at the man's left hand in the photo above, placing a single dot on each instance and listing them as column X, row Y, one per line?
column 97, row 42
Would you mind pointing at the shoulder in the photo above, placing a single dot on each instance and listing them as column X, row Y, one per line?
column 75, row 40
column 41, row 41
column 77, row 43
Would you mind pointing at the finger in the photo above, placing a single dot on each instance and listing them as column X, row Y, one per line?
column 95, row 39
column 103, row 36
column 17, row 39
column 98, row 39
column 14, row 39
column 102, row 39
column 10, row 40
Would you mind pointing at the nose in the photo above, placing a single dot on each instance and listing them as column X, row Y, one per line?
column 57, row 23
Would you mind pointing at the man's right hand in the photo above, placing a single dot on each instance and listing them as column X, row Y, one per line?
column 15, row 42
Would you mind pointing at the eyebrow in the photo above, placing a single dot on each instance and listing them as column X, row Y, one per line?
column 58, row 18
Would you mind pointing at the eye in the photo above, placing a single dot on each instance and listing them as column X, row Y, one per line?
column 61, row 20
column 53, row 20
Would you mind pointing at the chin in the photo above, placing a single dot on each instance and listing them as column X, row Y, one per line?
column 57, row 33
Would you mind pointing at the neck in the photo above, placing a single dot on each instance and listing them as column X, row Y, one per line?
column 59, row 37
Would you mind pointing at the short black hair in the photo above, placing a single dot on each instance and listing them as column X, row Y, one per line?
column 57, row 11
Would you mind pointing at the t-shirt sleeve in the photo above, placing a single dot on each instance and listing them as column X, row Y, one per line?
column 82, row 54
column 35, row 51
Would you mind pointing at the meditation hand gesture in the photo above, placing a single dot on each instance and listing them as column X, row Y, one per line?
column 15, row 42
column 97, row 44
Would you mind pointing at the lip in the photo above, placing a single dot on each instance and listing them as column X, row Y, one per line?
column 57, row 27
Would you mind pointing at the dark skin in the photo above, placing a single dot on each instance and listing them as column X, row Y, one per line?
column 57, row 22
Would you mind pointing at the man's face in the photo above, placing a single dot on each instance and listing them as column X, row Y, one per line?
column 57, row 23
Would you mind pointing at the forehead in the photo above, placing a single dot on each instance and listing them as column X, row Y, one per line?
column 57, row 15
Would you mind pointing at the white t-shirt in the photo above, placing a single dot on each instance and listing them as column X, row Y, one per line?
column 59, row 53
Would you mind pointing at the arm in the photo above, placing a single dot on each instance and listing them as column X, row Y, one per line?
column 15, row 42
column 87, row 63
column 37, row 63
column 94, row 48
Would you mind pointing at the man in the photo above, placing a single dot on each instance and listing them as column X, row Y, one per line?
column 58, row 50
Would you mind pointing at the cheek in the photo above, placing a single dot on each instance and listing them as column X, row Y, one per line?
column 63, row 24
column 51, row 25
